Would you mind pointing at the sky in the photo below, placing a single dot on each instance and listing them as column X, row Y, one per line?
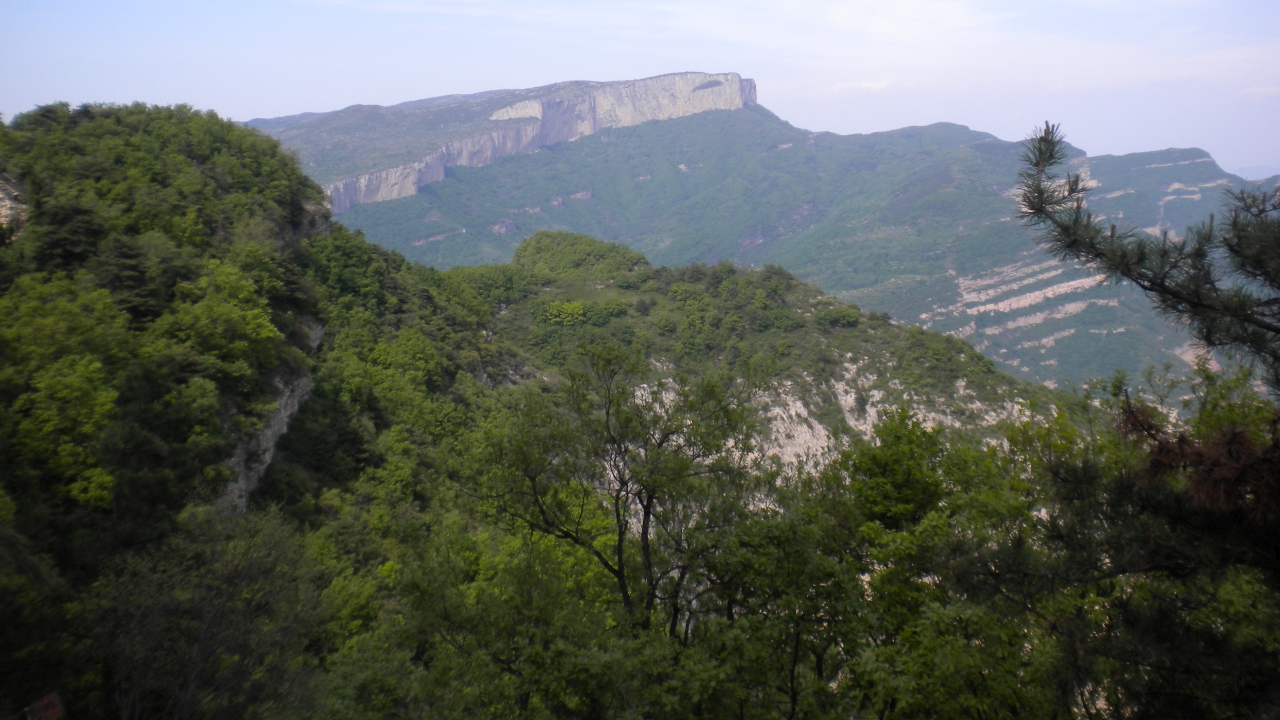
column 1119, row 75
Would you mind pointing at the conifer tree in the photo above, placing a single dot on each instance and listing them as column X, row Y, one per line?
column 1222, row 279
column 1159, row 544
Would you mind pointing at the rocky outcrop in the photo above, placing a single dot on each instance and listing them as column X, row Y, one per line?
column 865, row 399
column 316, row 220
column 13, row 208
column 530, row 124
column 405, row 180
column 254, row 454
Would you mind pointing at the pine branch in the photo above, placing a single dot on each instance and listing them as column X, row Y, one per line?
column 1223, row 282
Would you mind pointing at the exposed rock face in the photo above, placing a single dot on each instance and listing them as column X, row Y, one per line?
column 12, row 206
column 405, row 180
column 254, row 454
column 539, row 122
column 1020, row 314
column 796, row 435
column 316, row 220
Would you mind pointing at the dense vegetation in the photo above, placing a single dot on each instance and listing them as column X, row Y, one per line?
column 544, row 489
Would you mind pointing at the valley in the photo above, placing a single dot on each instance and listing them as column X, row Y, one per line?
column 256, row 465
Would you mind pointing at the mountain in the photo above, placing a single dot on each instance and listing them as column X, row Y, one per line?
column 917, row 222
column 185, row 337
column 253, row 465
column 371, row 154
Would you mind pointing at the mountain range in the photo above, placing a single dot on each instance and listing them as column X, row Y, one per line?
column 254, row 465
column 918, row 222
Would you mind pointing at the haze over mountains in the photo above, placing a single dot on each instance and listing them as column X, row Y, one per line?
column 917, row 222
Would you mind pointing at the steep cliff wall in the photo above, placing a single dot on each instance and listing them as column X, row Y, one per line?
column 13, row 208
column 557, row 117
column 254, row 454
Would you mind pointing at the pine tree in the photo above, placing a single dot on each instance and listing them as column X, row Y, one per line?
column 1222, row 279
column 1162, row 545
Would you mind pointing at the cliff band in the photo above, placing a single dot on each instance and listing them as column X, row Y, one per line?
column 556, row 115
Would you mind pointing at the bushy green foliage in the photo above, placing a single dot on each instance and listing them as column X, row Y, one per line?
column 564, row 255
column 149, row 306
column 1157, row 595
column 226, row 641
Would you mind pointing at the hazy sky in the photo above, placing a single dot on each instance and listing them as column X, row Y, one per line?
column 1120, row 75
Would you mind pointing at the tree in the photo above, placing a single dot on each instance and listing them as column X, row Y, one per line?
column 1223, row 279
column 618, row 488
column 640, row 473
column 1159, row 568
column 215, row 623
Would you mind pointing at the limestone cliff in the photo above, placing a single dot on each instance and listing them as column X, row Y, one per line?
column 564, row 112
column 865, row 398
column 13, row 208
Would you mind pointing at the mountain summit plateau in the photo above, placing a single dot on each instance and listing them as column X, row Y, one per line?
column 475, row 130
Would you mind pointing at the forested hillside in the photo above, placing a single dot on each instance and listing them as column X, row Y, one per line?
column 576, row 485
column 917, row 222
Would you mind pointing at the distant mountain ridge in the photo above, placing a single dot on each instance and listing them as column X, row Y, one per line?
column 918, row 222
column 475, row 130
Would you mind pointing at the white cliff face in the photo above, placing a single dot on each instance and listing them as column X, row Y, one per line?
column 523, row 109
column 12, row 207
column 556, row 118
column 405, row 180
column 864, row 400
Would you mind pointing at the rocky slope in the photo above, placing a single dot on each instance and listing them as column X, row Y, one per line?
column 832, row 369
column 519, row 121
column 12, row 207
